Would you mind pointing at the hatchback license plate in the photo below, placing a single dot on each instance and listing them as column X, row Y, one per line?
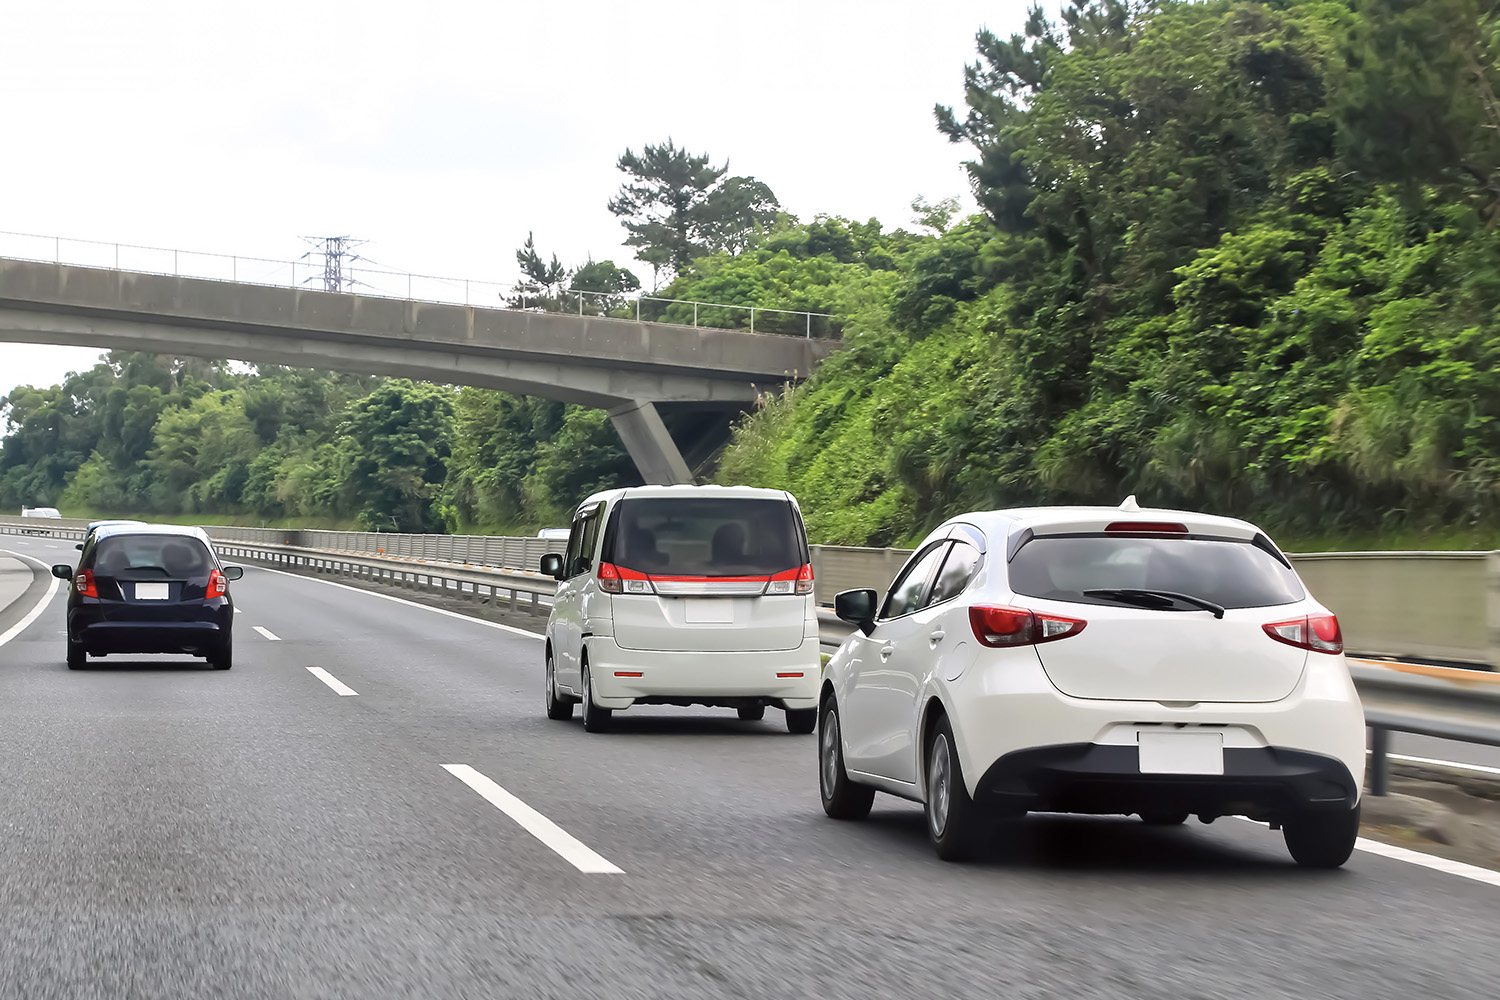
column 1182, row 753
column 151, row 592
column 708, row 612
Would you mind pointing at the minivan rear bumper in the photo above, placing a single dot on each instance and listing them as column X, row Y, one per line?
column 703, row 678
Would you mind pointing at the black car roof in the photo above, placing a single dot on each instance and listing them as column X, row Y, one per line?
column 178, row 530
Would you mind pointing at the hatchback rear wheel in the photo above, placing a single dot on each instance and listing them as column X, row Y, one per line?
column 953, row 821
column 221, row 657
column 1321, row 840
column 77, row 658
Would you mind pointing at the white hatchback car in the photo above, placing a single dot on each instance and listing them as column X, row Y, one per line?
column 1096, row 660
column 684, row 595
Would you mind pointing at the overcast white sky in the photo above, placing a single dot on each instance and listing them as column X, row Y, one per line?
column 444, row 131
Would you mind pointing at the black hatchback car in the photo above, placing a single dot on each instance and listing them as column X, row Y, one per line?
column 149, row 588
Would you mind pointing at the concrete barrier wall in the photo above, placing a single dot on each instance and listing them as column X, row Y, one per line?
column 1427, row 605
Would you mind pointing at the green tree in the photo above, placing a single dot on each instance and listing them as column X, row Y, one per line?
column 399, row 440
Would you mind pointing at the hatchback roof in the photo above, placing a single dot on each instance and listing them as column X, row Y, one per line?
column 181, row 530
column 1080, row 518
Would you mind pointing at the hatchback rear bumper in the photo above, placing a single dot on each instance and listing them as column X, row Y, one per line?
column 196, row 637
column 1267, row 783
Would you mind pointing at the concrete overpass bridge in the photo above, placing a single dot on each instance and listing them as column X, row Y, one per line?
column 634, row 370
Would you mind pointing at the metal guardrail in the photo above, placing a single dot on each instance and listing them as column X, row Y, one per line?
column 381, row 282
column 1453, row 704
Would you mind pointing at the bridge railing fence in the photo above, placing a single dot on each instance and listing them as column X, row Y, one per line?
column 360, row 278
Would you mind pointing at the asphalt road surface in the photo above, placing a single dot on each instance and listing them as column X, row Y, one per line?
column 171, row 831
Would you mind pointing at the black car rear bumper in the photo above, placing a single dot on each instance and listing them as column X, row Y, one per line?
column 1267, row 783
column 194, row 637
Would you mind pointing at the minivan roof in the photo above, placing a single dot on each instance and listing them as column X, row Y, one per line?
column 748, row 492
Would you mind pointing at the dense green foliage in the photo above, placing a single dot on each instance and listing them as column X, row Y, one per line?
column 1232, row 255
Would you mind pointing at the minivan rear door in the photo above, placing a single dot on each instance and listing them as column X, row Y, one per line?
column 1141, row 646
column 708, row 574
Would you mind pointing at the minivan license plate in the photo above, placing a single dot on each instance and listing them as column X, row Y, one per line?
column 1177, row 752
column 151, row 592
column 708, row 612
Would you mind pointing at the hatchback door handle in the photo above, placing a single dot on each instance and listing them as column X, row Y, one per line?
column 886, row 651
column 936, row 637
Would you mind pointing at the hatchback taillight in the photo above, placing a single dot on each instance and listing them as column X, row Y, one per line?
column 84, row 582
column 1319, row 633
column 217, row 585
column 998, row 626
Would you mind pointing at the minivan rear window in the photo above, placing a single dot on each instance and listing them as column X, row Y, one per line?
column 1228, row 572
column 707, row 536
column 150, row 557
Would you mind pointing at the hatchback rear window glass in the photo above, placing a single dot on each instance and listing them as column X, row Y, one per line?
column 1230, row 573
column 707, row 536
column 151, row 557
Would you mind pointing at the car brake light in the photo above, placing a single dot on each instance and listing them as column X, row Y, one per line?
column 85, row 584
column 1147, row 527
column 217, row 585
column 1319, row 633
column 609, row 579
column 793, row 581
column 997, row 627
column 805, row 579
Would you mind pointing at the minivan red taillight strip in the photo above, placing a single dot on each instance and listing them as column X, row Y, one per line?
column 615, row 579
column 998, row 627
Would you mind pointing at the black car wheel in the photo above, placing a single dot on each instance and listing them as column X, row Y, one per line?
column 77, row 658
column 222, row 656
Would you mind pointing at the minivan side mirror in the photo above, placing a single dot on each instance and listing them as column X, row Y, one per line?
column 63, row 571
column 552, row 565
column 857, row 607
column 233, row 572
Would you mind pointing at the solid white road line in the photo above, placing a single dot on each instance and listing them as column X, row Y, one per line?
column 267, row 633
column 41, row 605
column 414, row 604
column 332, row 681
column 570, row 848
column 1482, row 768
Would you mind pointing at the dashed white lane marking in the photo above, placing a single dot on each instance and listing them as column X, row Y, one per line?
column 238, row 611
column 1482, row 768
column 332, row 681
column 570, row 848
column 41, row 605
column 267, row 633
column 1437, row 864
column 411, row 604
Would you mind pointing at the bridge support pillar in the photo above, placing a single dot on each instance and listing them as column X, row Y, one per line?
column 656, row 455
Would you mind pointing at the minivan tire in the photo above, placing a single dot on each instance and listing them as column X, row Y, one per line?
column 752, row 713
column 77, row 657
column 842, row 798
column 558, row 707
column 953, row 821
column 595, row 719
column 1321, row 839
column 801, row 720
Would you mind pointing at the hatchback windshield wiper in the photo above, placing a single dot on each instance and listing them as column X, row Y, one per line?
column 1135, row 595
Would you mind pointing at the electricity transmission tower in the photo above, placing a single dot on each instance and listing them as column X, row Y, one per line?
column 337, row 273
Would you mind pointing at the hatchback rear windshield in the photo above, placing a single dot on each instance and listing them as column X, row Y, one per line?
column 707, row 536
column 151, row 557
column 1231, row 573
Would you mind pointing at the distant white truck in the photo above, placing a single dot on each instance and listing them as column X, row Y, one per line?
column 41, row 512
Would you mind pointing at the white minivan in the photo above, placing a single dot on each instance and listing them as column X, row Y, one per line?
column 684, row 595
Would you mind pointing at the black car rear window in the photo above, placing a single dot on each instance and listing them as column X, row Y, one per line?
column 150, row 557
column 1232, row 573
column 707, row 536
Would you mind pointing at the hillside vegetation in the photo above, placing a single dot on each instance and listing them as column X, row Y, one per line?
column 1232, row 255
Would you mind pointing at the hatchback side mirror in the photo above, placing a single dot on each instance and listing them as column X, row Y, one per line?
column 233, row 572
column 857, row 607
column 62, row 571
column 552, row 565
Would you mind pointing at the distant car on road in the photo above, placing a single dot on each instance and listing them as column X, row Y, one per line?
column 48, row 512
column 560, row 534
column 96, row 525
column 1096, row 660
column 149, row 588
column 684, row 595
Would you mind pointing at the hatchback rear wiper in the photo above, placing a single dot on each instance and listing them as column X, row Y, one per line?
column 1137, row 595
